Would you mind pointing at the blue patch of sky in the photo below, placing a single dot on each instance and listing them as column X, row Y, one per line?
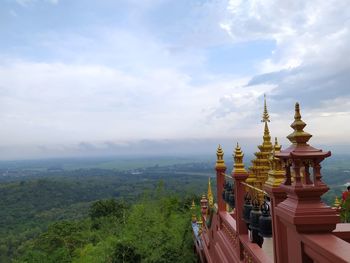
column 23, row 28
column 177, row 25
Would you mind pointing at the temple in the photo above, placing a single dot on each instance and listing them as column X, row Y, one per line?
column 271, row 212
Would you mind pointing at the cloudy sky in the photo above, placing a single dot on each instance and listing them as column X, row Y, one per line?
column 131, row 76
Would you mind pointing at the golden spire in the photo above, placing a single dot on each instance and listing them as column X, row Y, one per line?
column 277, row 147
column 266, row 137
column 266, row 119
column 336, row 202
column 298, row 137
column 220, row 163
column 193, row 209
column 258, row 172
column 265, row 116
column 238, row 166
column 276, row 173
column 210, row 195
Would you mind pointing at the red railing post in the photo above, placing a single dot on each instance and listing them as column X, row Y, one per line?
column 276, row 176
column 220, row 168
column 239, row 175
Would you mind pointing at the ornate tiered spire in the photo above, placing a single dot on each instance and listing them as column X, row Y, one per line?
column 276, row 173
column 210, row 194
column 220, row 163
column 266, row 137
column 277, row 147
column 298, row 137
column 265, row 116
column 260, row 165
column 266, row 119
column 238, row 166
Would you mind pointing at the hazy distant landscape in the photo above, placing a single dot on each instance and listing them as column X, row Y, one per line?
column 35, row 194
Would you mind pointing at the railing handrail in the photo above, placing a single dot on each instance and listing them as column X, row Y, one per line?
column 255, row 188
column 227, row 176
column 248, row 185
column 327, row 246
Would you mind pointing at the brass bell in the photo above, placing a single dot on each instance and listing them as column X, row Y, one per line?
column 265, row 223
column 255, row 215
column 228, row 192
column 232, row 200
column 247, row 207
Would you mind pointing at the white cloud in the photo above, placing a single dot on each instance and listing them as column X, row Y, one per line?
column 312, row 37
column 303, row 30
column 109, row 82
column 72, row 103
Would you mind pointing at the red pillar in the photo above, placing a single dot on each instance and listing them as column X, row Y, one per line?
column 220, row 168
column 277, row 195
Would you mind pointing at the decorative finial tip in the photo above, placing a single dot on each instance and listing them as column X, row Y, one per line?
column 265, row 116
column 297, row 115
column 298, row 136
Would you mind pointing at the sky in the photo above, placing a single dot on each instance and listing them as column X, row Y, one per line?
column 83, row 77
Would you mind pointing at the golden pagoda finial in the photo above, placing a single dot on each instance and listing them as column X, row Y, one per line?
column 276, row 173
column 336, row 202
column 210, row 194
column 265, row 116
column 238, row 166
column 266, row 137
column 298, row 137
column 277, row 147
column 220, row 163
column 193, row 209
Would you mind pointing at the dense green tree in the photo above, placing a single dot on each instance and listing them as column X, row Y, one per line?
column 109, row 207
column 153, row 230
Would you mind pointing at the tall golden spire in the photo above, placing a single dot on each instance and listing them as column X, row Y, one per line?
column 238, row 166
column 266, row 137
column 276, row 173
column 298, row 137
column 265, row 116
column 210, row 194
column 220, row 163
column 266, row 119
column 258, row 172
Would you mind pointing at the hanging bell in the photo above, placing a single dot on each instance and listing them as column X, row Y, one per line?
column 228, row 192
column 255, row 215
column 247, row 207
column 232, row 200
column 224, row 191
column 265, row 223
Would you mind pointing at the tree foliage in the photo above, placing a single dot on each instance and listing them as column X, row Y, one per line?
column 153, row 230
column 345, row 211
